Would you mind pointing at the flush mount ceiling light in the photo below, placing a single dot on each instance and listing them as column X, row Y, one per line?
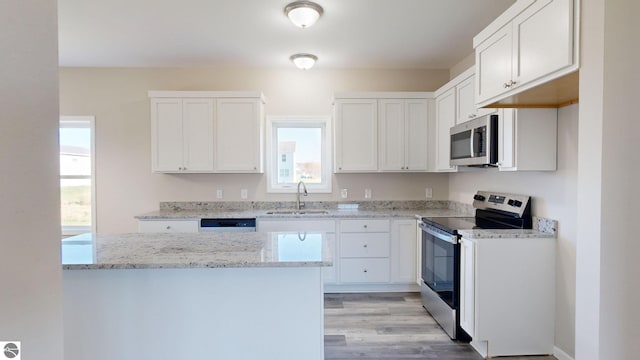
column 304, row 61
column 303, row 13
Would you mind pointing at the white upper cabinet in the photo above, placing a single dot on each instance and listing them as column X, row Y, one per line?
column 182, row 135
column 445, row 119
column 239, row 132
column 381, row 131
column 356, row 135
column 206, row 131
column 533, row 42
column 466, row 108
column 527, row 139
column 403, row 134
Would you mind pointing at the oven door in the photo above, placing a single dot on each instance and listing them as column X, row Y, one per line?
column 440, row 258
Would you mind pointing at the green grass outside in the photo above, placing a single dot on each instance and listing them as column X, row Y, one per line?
column 76, row 205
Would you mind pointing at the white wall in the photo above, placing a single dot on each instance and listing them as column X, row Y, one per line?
column 30, row 269
column 118, row 99
column 607, row 254
column 554, row 196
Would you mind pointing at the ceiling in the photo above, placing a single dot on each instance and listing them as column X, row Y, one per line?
column 390, row 34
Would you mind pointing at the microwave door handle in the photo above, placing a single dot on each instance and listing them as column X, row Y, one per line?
column 471, row 139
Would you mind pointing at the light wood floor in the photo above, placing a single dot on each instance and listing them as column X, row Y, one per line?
column 389, row 326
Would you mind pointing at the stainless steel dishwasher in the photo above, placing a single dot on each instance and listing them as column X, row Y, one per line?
column 228, row 225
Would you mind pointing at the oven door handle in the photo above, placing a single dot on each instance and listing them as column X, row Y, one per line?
column 451, row 239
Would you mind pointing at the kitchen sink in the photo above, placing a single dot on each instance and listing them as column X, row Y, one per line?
column 297, row 212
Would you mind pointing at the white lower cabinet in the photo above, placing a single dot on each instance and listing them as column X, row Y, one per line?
column 364, row 251
column 168, row 226
column 507, row 295
column 404, row 250
column 368, row 254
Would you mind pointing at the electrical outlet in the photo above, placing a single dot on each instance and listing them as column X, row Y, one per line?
column 219, row 194
column 367, row 193
column 428, row 193
column 344, row 193
column 243, row 193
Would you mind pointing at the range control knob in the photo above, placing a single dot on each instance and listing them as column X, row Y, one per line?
column 514, row 203
column 479, row 197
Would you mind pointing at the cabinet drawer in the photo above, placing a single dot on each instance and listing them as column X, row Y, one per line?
column 328, row 226
column 168, row 226
column 364, row 245
column 364, row 226
column 364, row 270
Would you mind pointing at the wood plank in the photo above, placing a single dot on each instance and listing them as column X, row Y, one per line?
column 389, row 326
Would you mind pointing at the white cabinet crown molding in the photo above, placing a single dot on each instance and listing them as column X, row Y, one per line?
column 384, row 95
column 206, row 94
column 455, row 81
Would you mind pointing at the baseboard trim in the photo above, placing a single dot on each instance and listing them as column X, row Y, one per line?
column 561, row 355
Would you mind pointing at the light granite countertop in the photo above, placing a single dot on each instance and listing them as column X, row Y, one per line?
column 196, row 250
column 504, row 233
column 330, row 213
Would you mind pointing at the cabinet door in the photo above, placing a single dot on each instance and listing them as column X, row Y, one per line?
column 493, row 64
column 506, row 140
column 445, row 119
column 403, row 251
column 356, row 135
column 542, row 40
column 197, row 124
column 416, row 134
column 392, row 134
column 466, row 102
column 238, row 135
column 167, row 142
column 467, row 286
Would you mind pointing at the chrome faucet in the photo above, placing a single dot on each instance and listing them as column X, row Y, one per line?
column 300, row 205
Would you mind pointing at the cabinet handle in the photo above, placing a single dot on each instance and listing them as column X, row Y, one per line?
column 255, row 168
column 506, row 85
column 339, row 168
column 511, row 83
column 365, row 270
column 365, row 245
column 168, row 227
column 365, row 226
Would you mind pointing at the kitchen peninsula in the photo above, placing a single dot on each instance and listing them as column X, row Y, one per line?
column 194, row 296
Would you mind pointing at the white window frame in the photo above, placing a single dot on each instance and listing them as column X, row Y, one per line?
column 81, row 122
column 324, row 123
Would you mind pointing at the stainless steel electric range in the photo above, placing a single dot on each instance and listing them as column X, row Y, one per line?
column 440, row 286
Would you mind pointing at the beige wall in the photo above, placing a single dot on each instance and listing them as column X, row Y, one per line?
column 607, row 253
column 118, row 99
column 30, row 269
column 554, row 196
column 462, row 65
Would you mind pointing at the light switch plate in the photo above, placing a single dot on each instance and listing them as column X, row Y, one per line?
column 428, row 193
column 243, row 193
column 219, row 194
column 344, row 193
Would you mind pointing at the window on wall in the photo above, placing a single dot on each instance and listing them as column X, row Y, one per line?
column 298, row 149
column 77, row 190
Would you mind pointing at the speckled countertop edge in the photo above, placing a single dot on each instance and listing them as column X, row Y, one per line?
column 186, row 250
column 259, row 210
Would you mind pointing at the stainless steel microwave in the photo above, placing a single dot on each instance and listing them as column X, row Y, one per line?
column 475, row 142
